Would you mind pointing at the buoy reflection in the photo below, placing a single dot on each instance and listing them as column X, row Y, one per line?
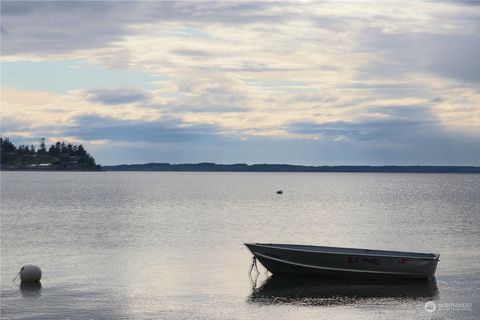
column 31, row 289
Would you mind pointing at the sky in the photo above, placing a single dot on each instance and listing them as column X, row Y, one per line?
column 309, row 82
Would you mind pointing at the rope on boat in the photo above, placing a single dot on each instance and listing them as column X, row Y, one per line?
column 251, row 267
column 253, row 280
column 254, row 264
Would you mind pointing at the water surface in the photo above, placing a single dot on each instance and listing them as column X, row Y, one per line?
column 168, row 245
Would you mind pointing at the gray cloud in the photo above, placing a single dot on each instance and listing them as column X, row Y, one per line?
column 62, row 26
column 218, row 96
column 398, row 125
column 448, row 55
column 94, row 127
column 409, row 135
column 116, row 96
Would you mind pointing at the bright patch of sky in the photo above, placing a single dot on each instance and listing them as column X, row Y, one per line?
column 62, row 76
column 191, row 32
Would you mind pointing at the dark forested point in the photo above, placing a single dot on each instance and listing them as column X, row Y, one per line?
column 60, row 156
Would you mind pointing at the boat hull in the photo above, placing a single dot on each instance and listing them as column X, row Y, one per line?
column 343, row 262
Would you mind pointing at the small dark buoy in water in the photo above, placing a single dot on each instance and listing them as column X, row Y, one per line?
column 30, row 273
column 279, row 192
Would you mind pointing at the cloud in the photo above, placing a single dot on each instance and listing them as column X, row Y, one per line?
column 65, row 26
column 408, row 135
column 58, row 26
column 187, row 52
column 390, row 125
column 116, row 96
column 448, row 55
column 94, row 127
column 379, row 130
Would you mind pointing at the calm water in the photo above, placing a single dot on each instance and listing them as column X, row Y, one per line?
column 140, row 245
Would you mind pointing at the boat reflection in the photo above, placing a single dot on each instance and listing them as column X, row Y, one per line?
column 336, row 291
column 30, row 289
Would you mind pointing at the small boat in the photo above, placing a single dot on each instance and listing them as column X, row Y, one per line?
column 343, row 262
column 280, row 192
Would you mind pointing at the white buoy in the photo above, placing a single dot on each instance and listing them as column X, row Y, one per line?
column 30, row 273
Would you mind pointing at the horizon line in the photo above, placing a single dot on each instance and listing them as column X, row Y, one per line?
column 287, row 164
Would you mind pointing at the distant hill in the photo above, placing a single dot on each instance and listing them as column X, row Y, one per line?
column 60, row 156
column 242, row 167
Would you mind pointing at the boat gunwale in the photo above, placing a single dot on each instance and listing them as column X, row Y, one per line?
column 372, row 252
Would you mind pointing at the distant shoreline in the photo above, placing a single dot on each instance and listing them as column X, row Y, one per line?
column 213, row 167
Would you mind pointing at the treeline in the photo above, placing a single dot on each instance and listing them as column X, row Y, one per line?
column 59, row 156
column 242, row 167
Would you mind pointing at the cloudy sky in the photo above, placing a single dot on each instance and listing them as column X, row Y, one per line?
column 320, row 83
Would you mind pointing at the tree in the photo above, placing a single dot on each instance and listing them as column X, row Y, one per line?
column 6, row 145
column 55, row 149
column 6, row 150
column 43, row 148
column 21, row 150
column 64, row 148
column 81, row 151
